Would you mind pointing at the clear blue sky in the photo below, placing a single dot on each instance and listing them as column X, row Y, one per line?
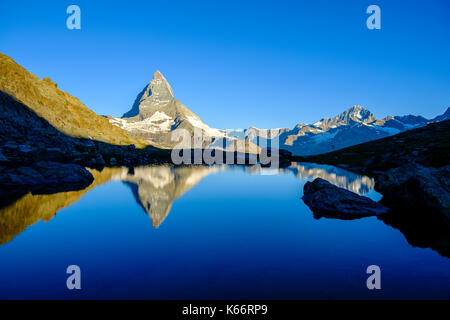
column 240, row 63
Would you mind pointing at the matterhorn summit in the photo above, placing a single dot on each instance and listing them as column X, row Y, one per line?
column 156, row 113
column 156, row 95
column 353, row 115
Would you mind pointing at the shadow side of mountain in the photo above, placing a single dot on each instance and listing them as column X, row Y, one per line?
column 135, row 108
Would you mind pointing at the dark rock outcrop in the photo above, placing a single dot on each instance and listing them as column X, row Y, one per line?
column 45, row 175
column 327, row 200
column 42, row 177
column 417, row 189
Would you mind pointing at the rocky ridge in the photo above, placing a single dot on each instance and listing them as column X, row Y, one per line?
column 354, row 126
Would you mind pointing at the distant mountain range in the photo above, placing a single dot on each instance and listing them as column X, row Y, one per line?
column 354, row 126
column 156, row 113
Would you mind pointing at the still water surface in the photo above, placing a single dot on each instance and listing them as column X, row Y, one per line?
column 207, row 232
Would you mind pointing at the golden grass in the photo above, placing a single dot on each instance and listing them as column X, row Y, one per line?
column 30, row 209
column 65, row 112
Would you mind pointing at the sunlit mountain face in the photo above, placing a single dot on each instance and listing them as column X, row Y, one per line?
column 63, row 111
column 156, row 114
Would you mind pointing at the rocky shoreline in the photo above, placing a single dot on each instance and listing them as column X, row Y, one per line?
column 411, row 170
column 420, row 226
column 327, row 200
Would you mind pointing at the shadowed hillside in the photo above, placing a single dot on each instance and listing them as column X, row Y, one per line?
column 65, row 112
column 35, row 156
column 428, row 146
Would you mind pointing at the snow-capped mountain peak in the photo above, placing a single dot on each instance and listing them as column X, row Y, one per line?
column 158, row 94
column 442, row 117
column 355, row 114
column 156, row 113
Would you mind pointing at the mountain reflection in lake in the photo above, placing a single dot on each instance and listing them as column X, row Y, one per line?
column 156, row 187
column 213, row 232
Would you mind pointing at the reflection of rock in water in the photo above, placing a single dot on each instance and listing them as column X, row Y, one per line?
column 31, row 208
column 155, row 188
column 339, row 177
column 432, row 232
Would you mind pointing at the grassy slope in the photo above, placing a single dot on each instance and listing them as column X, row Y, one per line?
column 63, row 111
column 429, row 146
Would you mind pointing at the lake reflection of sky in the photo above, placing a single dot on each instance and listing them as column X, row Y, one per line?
column 222, row 232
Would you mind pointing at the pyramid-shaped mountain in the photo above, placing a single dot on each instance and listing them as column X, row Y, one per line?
column 156, row 113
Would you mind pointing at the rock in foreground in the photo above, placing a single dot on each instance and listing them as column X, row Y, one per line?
column 46, row 176
column 327, row 200
column 418, row 189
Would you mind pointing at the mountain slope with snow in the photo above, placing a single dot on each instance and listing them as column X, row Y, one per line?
column 354, row 126
column 156, row 114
